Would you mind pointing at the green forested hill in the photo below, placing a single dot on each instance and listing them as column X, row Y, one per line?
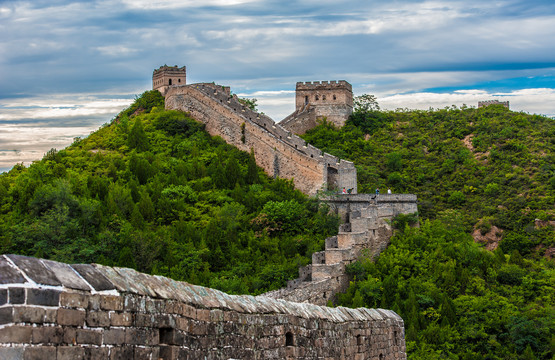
column 485, row 171
column 493, row 166
column 155, row 192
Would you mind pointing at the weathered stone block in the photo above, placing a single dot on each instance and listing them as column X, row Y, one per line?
column 46, row 297
column 28, row 314
column 114, row 336
column 3, row 296
column 16, row 334
column 145, row 320
column 98, row 353
column 94, row 302
column 198, row 328
column 121, row 319
column 35, row 269
column 50, row 315
column 70, row 353
column 168, row 352
column 40, row 353
column 134, row 303
column 135, row 336
column 11, row 353
column 8, row 274
column 141, row 353
column 74, row 300
column 154, row 306
column 70, row 335
column 203, row 315
column 98, row 318
column 16, row 295
column 182, row 323
column 71, row 317
column 93, row 277
column 47, row 335
column 187, row 310
column 121, row 353
column 6, row 315
column 86, row 336
column 109, row 302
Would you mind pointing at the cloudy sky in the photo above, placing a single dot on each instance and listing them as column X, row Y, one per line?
column 67, row 67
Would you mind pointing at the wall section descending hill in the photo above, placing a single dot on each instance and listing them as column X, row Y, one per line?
column 51, row 310
column 277, row 151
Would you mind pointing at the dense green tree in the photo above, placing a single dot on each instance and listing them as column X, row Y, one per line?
column 137, row 138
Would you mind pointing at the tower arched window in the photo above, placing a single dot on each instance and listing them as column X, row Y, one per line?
column 170, row 82
column 316, row 97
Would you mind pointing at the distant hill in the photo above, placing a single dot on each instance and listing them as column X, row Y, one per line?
column 483, row 175
column 152, row 191
column 495, row 168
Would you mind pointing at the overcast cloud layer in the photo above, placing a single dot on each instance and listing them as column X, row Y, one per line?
column 68, row 67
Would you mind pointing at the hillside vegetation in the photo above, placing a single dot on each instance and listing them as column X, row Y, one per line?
column 487, row 173
column 154, row 192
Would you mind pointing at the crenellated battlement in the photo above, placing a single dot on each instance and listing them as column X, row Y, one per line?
column 324, row 85
column 492, row 102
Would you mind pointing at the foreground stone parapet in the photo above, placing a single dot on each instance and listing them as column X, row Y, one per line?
column 50, row 310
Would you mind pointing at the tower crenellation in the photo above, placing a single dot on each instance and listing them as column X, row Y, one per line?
column 486, row 103
column 317, row 100
column 166, row 76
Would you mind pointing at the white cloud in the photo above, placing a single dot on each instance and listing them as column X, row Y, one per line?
column 29, row 143
column 178, row 4
column 58, row 108
column 535, row 101
column 116, row 50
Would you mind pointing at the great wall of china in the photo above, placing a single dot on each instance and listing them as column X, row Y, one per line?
column 55, row 311
column 59, row 311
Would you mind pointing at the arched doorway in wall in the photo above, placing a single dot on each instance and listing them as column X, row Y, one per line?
column 333, row 178
column 170, row 82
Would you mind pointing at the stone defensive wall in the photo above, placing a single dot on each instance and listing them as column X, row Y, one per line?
column 386, row 205
column 51, row 310
column 277, row 151
column 365, row 230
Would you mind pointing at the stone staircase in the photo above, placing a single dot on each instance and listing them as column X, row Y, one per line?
column 364, row 232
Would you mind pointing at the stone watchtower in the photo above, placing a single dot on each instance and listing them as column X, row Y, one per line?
column 492, row 102
column 316, row 100
column 166, row 76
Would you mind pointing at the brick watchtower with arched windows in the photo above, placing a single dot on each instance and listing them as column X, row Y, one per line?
column 332, row 100
column 167, row 76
